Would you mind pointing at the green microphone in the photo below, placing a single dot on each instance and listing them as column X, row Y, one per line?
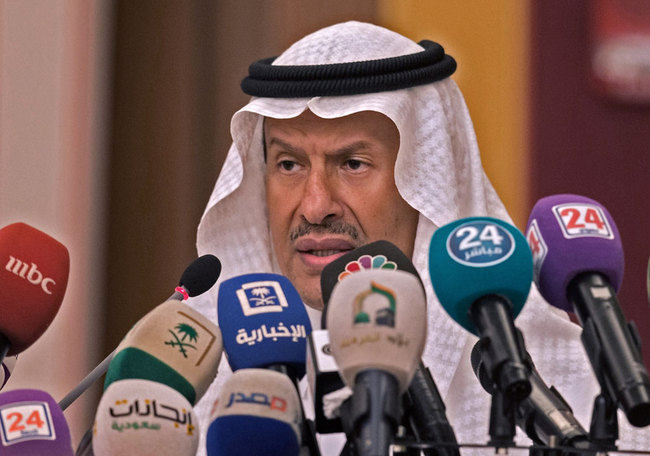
column 481, row 270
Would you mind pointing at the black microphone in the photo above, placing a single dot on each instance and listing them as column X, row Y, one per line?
column 544, row 415
column 323, row 378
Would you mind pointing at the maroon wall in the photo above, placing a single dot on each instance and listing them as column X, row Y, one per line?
column 588, row 144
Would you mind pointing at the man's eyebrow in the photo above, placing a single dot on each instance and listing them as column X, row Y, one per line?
column 351, row 148
column 284, row 145
column 346, row 149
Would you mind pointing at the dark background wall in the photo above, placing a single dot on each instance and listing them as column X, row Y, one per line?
column 588, row 143
column 177, row 69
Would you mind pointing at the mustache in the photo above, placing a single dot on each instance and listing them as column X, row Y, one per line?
column 325, row 227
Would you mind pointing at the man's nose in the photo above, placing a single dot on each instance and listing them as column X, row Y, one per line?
column 320, row 198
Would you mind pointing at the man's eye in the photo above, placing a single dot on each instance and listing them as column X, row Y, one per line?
column 354, row 164
column 287, row 165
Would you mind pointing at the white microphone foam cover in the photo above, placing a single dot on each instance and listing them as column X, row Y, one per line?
column 182, row 338
column 142, row 417
column 262, row 393
column 377, row 320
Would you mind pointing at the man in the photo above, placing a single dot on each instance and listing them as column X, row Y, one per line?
column 326, row 159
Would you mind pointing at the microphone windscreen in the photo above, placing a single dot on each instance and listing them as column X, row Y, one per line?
column 376, row 255
column 570, row 234
column 173, row 344
column 33, row 280
column 201, row 275
column 263, row 322
column 32, row 424
column 257, row 412
column 8, row 365
column 475, row 257
column 377, row 320
column 142, row 417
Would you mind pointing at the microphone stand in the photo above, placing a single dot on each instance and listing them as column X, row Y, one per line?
column 308, row 430
column 5, row 345
column 603, row 431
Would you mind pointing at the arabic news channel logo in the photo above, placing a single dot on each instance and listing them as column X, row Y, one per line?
column 480, row 244
column 264, row 296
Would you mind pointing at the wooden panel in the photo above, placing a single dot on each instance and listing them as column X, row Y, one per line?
column 489, row 42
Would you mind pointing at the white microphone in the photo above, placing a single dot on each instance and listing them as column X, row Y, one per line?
column 142, row 417
column 377, row 326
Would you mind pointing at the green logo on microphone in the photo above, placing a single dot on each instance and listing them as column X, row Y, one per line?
column 379, row 298
column 184, row 331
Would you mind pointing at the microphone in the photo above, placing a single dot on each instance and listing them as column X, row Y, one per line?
column 197, row 278
column 481, row 270
column 377, row 327
column 173, row 344
column 264, row 323
column 424, row 406
column 8, row 366
column 136, row 416
column 323, row 378
column 32, row 424
column 579, row 267
column 33, row 280
column 376, row 255
column 544, row 414
column 257, row 412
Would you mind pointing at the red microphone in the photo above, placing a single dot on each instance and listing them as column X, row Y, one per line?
column 34, row 271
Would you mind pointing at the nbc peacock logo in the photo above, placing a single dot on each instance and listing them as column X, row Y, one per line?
column 366, row 262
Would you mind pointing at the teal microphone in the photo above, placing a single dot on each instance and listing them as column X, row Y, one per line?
column 481, row 270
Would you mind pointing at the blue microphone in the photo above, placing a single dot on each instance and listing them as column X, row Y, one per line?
column 257, row 412
column 263, row 323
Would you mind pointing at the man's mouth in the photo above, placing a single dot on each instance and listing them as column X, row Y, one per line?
column 317, row 253
column 324, row 253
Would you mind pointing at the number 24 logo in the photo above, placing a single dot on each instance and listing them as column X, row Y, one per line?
column 583, row 220
column 34, row 419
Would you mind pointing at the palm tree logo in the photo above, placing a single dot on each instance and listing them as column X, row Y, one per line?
column 186, row 332
column 262, row 299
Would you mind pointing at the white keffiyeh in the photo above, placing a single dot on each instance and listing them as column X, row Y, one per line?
column 439, row 173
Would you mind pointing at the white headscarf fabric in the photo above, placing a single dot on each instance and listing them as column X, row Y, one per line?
column 438, row 172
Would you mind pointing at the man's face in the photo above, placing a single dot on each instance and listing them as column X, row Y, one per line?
column 330, row 189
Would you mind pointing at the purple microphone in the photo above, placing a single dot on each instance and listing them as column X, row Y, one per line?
column 31, row 424
column 578, row 264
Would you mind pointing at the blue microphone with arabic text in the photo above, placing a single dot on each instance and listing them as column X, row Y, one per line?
column 257, row 412
column 263, row 323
